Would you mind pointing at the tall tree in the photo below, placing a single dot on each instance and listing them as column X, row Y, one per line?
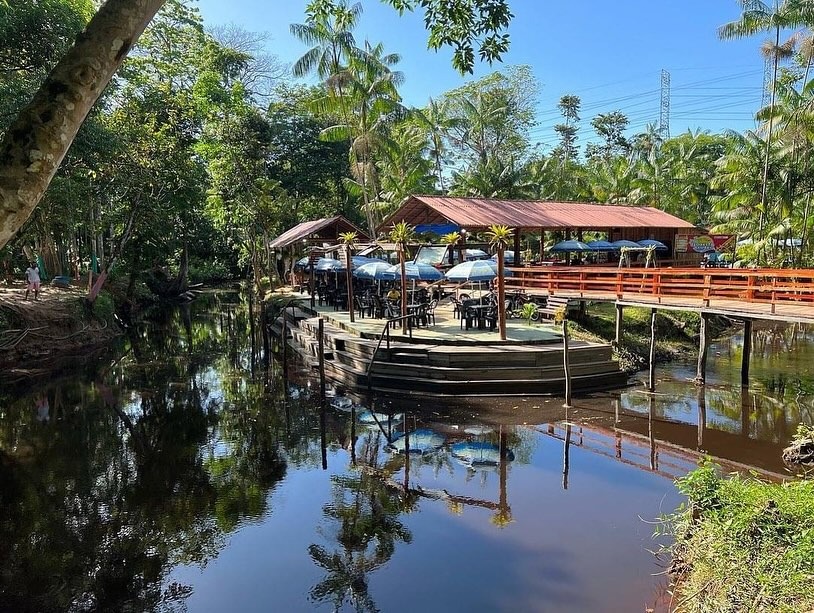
column 757, row 16
column 36, row 143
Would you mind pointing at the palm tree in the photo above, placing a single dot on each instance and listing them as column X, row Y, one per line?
column 348, row 239
column 452, row 239
column 365, row 93
column 332, row 38
column 757, row 16
column 401, row 234
column 499, row 237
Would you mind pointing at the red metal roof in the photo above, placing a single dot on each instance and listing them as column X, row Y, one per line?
column 336, row 225
column 480, row 213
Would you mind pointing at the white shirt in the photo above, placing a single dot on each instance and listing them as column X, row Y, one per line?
column 32, row 274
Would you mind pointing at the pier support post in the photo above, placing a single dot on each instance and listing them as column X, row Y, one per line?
column 566, row 362
column 619, row 315
column 701, row 400
column 747, row 351
column 321, row 349
column 311, row 285
column 285, row 343
column 651, row 380
column 703, row 344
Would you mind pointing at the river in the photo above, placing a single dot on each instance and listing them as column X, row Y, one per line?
column 177, row 473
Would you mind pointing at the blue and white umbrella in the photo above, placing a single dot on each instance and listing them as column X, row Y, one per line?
column 377, row 271
column 475, row 254
column 474, row 271
column 649, row 242
column 368, row 417
column 417, row 272
column 508, row 257
column 329, row 265
column 302, row 262
column 361, row 260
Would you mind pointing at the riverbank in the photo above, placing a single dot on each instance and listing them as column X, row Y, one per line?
column 742, row 544
column 676, row 333
column 36, row 336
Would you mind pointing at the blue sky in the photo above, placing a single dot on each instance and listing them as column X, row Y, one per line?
column 609, row 53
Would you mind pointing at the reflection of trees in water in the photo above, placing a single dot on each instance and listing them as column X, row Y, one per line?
column 365, row 512
column 134, row 474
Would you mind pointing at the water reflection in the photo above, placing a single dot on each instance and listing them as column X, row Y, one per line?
column 181, row 472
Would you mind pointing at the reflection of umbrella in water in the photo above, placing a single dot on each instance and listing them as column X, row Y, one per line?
column 342, row 403
column 371, row 417
column 421, row 441
column 475, row 453
column 478, row 430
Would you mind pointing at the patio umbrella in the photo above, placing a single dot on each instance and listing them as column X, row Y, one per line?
column 474, row 271
column 377, row 271
column 623, row 243
column 475, row 254
column 421, row 441
column 328, row 265
column 508, row 257
column 649, row 242
column 361, row 260
column 302, row 263
column 417, row 272
column 601, row 246
column 572, row 245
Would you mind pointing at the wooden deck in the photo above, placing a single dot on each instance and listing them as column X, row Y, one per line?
column 430, row 366
column 777, row 294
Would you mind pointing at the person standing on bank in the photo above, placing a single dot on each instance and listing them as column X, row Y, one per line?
column 32, row 277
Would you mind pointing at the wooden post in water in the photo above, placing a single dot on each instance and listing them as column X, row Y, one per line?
column 747, row 351
column 321, row 350
column 703, row 343
column 619, row 315
column 701, row 401
column 651, row 379
column 264, row 324
column 285, row 344
column 566, row 362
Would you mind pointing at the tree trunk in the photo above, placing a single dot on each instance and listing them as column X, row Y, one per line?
column 501, row 292
column 37, row 141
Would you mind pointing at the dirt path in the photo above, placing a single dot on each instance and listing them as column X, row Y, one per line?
column 36, row 335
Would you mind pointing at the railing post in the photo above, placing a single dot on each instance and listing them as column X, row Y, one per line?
column 619, row 290
column 750, row 289
column 321, row 349
column 707, row 283
column 774, row 294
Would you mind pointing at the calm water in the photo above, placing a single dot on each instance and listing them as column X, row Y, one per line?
column 179, row 474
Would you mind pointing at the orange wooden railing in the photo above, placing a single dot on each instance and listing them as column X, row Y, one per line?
column 768, row 286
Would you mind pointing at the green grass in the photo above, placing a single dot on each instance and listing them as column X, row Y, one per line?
column 742, row 544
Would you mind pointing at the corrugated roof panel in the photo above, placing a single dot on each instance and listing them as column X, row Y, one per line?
column 483, row 212
column 307, row 228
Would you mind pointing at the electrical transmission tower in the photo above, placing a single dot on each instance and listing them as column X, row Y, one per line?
column 664, row 115
column 767, row 83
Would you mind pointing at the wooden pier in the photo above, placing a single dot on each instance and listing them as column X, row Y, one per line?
column 785, row 295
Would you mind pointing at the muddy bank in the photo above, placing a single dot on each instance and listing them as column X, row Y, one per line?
column 41, row 336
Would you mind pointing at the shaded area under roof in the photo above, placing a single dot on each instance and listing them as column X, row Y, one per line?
column 327, row 228
column 480, row 213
